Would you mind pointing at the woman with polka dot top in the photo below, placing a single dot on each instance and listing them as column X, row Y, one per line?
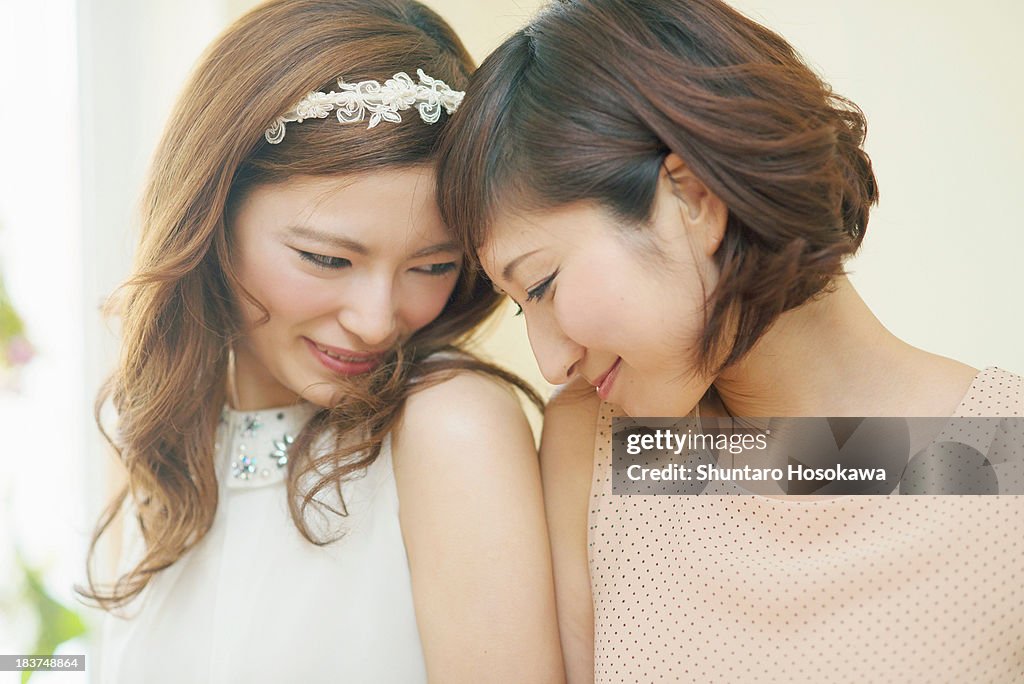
column 670, row 194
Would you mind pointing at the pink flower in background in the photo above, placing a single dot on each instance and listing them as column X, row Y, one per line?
column 19, row 351
column 15, row 349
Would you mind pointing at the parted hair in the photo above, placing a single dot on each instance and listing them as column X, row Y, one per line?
column 585, row 102
column 179, row 310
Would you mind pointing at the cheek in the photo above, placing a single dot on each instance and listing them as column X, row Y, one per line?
column 422, row 302
column 601, row 299
column 682, row 311
column 287, row 293
column 630, row 307
column 589, row 314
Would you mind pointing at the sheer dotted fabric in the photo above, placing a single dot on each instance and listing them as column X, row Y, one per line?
column 850, row 589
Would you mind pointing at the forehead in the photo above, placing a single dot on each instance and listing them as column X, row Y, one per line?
column 513, row 233
column 384, row 206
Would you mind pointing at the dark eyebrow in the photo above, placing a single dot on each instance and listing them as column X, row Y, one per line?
column 449, row 246
column 360, row 248
column 329, row 239
column 506, row 273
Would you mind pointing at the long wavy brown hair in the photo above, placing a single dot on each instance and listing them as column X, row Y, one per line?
column 179, row 309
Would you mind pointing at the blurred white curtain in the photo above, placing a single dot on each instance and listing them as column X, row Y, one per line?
column 134, row 57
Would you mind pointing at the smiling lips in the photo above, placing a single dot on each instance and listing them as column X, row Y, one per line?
column 604, row 382
column 343, row 361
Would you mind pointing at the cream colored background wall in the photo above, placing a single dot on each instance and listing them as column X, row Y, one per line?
column 941, row 264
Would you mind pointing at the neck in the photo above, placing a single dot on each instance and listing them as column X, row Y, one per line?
column 832, row 357
column 251, row 387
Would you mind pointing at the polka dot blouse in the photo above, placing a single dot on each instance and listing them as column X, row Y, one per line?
column 846, row 589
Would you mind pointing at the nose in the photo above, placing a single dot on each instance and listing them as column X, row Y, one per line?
column 557, row 355
column 369, row 312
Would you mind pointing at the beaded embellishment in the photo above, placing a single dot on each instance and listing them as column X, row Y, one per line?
column 258, row 443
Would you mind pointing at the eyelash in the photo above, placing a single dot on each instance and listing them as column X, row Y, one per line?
column 325, row 262
column 335, row 263
column 442, row 269
column 538, row 292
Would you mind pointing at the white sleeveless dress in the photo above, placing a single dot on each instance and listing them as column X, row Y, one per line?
column 254, row 601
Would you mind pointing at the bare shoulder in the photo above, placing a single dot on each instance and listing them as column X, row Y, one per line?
column 467, row 411
column 472, row 519
column 567, row 455
column 570, row 427
column 567, row 465
column 462, row 451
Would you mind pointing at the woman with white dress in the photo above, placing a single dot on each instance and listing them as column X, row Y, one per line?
column 321, row 485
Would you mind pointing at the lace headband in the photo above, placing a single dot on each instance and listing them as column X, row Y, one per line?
column 383, row 102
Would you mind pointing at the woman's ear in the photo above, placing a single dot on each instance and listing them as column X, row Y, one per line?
column 704, row 213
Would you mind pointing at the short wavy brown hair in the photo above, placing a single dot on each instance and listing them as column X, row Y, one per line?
column 585, row 103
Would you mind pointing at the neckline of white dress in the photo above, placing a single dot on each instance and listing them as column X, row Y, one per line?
column 252, row 446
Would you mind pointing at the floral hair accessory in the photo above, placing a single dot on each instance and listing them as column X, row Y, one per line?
column 383, row 102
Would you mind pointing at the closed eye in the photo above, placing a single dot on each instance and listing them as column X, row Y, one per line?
column 537, row 293
column 438, row 269
column 323, row 261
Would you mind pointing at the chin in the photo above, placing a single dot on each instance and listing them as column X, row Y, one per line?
column 654, row 407
column 632, row 409
column 321, row 394
column 631, row 406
